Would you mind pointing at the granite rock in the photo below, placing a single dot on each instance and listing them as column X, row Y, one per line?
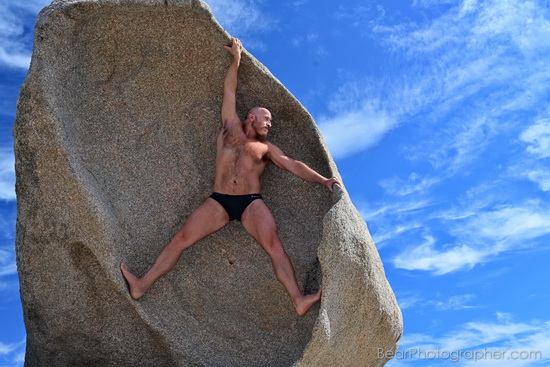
column 114, row 141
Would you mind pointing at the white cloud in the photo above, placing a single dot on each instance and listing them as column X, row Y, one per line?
column 362, row 112
column 487, row 340
column 537, row 136
column 12, row 55
column 15, row 39
column 431, row 3
column 541, row 177
column 412, row 206
column 12, row 354
column 439, row 261
column 6, row 348
column 475, row 334
column 507, row 226
column 391, row 221
column 406, row 302
column 479, row 233
column 534, row 163
column 454, row 303
column 355, row 130
column 7, row 263
column 469, row 69
column 241, row 17
column 7, row 174
column 415, row 184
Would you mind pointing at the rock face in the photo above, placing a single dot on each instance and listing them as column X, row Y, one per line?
column 114, row 140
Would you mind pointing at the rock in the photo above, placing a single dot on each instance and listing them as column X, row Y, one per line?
column 114, row 141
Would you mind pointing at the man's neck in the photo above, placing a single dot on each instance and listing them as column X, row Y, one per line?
column 250, row 132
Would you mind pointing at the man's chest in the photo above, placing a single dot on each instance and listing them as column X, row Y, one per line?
column 241, row 148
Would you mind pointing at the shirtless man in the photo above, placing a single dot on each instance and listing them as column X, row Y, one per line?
column 241, row 157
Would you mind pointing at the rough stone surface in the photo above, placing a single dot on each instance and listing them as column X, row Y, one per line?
column 114, row 142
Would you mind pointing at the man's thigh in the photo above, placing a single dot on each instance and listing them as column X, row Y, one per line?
column 207, row 218
column 259, row 222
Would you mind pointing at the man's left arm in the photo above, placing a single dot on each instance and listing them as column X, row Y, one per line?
column 298, row 168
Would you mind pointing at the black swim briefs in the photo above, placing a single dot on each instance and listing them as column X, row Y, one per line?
column 235, row 205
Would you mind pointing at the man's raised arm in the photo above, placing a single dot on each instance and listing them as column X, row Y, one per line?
column 229, row 103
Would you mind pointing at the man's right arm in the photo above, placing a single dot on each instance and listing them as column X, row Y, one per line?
column 229, row 103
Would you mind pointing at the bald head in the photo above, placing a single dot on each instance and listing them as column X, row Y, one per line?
column 259, row 119
column 255, row 111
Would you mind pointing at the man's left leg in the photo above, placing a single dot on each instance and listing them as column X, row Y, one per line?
column 259, row 222
column 206, row 219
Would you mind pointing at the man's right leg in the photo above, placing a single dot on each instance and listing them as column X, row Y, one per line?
column 206, row 219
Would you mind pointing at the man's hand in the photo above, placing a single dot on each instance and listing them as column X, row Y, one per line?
column 330, row 182
column 236, row 48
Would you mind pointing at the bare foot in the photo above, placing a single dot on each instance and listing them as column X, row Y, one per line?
column 133, row 282
column 304, row 303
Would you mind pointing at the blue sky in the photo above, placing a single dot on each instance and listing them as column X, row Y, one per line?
column 437, row 114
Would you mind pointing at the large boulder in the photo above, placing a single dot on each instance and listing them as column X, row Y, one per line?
column 114, row 142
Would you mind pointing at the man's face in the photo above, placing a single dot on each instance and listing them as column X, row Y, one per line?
column 262, row 122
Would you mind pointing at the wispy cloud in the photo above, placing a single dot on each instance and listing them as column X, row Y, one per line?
column 537, row 136
column 486, row 58
column 409, row 301
column 389, row 222
column 12, row 354
column 243, row 18
column 415, row 184
column 502, row 335
column 356, row 129
column 7, row 348
column 540, row 176
column 478, row 235
column 429, row 257
column 312, row 43
column 480, row 58
column 15, row 36
column 480, row 78
column 7, row 263
column 7, row 224
column 453, row 303
column 507, row 225
column 534, row 164
column 488, row 220
column 431, row 3
column 7, row 174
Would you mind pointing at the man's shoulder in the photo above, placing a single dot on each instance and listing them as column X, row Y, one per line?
column 269, row 145
column 272, row 149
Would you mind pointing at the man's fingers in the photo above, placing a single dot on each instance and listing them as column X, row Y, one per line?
column 235, row 45
column 331, row 182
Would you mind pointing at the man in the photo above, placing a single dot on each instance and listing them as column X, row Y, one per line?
column 241, row 157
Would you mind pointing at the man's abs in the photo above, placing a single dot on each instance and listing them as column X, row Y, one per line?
column 237, row 172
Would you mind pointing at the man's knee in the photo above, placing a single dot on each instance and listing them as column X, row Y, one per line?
column 181, row 240
column 274, row 248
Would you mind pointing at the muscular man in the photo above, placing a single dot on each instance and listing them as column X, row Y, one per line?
column 241, row 157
